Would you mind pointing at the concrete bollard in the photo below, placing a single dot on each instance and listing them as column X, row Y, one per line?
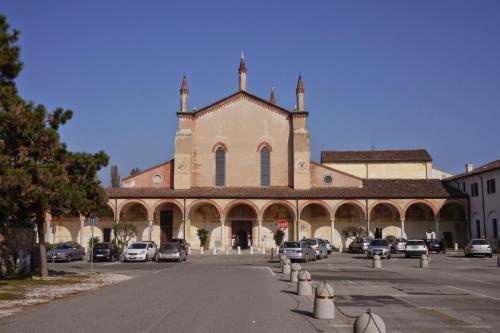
column 239, row 250
column 189, row 250
column 376, row 261
column 282, row 260
column 424, row 261
column 201, row 250
column 251, row 249
column 324, row 306
column 304, row 287
column 369, row 322
column 277, row 251
column 294, row 272
column 272, row 253
column 263, row 250
column 226, row 250
column 215, row 250
column 285, row 269
column 456, row 246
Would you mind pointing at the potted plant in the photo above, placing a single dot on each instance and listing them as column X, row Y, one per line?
column 278, row 237
column 203, row 236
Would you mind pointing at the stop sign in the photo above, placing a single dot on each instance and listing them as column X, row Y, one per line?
column 282, row 224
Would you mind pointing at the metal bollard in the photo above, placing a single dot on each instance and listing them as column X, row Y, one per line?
column 304, row 287
column 285, row 269
column 201, row 250
column 239, row 250
column 251, row 249
column 369, row 322
column 376, row 261
column 324, row 306
column 294, row 272
column 424, row 261
column 215, row 250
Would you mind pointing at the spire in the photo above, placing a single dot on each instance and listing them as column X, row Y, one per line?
column 242, row 71
column 272, row 98
column 184, row 95
column 300, row 94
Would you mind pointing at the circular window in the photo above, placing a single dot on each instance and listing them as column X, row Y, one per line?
column 328, row 179
column 157, row 179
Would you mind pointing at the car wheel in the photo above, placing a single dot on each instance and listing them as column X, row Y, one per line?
column 68, row 258
column 407, row 256
column 306, row 259
column 490, row 255
column 388, row 256
column 180, row 259
column 146, row 259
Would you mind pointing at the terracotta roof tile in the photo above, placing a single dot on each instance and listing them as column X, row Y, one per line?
column 409, row 155
column 483, row 168
column 372, row 188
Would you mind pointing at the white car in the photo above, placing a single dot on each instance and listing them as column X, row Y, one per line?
column 140, row 251
column 415, row 247
column 478, row 247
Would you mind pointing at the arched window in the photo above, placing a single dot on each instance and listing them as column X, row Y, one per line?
column 265, row 168
column 220, row 167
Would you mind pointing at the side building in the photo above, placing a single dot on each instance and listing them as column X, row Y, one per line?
column 243, row 163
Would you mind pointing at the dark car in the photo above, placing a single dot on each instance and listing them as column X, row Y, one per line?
column 433, row 245
column 182, row 242
column 171, row 251
column 66, row 251
column 106, row 251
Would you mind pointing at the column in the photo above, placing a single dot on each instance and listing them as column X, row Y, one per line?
column 402, row 228
column 82, row 230
column 259, row 240
column 436, row 220
column 48, row 228
column 296, row 229
column 332, row 232
column 150, row 228
column 222, row 242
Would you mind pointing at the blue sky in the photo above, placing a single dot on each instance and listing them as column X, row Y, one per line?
column 421, row 74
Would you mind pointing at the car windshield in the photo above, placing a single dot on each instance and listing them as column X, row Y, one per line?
column 102, row 246
column 415, row 242
column 138, row 246
column 170, row 246
column 63, row 246
column 378, row 242
column 289, row 245
column 479, row 242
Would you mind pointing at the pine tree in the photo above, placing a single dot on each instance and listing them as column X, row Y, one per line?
column 115, row 177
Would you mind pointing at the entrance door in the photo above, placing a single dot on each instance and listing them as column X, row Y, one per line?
column 166, row 226
column 449, row 238
column 378, row 232
column 106, row 235
column 242, row 234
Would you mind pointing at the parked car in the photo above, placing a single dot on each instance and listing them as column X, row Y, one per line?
column 415, row 247
column 66, row 251
column 140, row 251
column 380, row 247
column 433, row 245
column 319, row 247
column 360, row 245
column 478, row 247
column 399, row 245
column 182, row 243
column 298, row 251
column 328, row 247
column 106, row 251
column 171, row 251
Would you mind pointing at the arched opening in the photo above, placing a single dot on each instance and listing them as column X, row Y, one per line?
column 67, row 229
column 385, row 221
column 167, row 223
column 205, row 215
column 242, row 218
column 314, row 222
column 420, row 223
column 137, row 214
column 347, row 216
column 271, row 216
column 453, row 224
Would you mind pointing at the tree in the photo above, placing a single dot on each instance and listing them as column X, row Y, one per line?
column 354, row 232
column 124, row 232
column 38, row 175
column 135, row 171
column 279, row 235
column 115, row 177
column 203, row 236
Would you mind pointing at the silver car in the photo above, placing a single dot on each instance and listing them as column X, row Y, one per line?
column 319, row 247
column 399, row 245
column 66, row 251
column 379, row 247
column 298, row 251
column 360, row 245
column 171, row 251
column 478, row 247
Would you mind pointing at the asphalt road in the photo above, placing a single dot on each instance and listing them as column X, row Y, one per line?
column 248, row 294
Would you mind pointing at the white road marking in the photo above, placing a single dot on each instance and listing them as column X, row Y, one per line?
column 475, row 293
column 431, row 308
column 271, row 271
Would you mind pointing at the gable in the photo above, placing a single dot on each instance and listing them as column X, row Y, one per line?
column 339, row 178
column 160, row 175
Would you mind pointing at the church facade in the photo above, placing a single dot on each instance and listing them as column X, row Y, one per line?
column 243, row 165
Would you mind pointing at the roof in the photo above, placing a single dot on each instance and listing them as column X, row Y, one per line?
column 372, row 188
column 483, row 168
column 409, row 155
column 146, row 170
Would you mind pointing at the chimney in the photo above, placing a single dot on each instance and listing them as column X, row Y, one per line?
column 469, row 167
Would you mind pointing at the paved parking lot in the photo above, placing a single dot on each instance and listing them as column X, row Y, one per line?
column 248, row 294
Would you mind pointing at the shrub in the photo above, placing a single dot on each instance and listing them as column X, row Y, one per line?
column 278, row 237
column 203, row 236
